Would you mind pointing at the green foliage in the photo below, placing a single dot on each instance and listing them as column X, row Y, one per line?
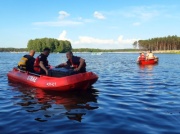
column 13, row 49
column 55, row 45
column 162, row 43
column 135, row 44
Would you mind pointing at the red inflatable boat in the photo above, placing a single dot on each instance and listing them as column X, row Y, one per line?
column 148, row 62
column 76, row 81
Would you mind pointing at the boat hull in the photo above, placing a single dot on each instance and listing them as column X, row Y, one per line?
column 77, row 81
column 148, row 62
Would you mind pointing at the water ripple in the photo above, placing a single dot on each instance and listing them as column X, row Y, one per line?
column 127, row 98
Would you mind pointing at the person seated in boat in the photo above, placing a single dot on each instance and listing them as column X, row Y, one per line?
column 75, row 62
column 27, row 62
column 150, row 55
column 147, row 53
column 41, row 65
column 141, row 57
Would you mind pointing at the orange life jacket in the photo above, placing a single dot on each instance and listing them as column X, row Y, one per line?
column 36, row 65
column 37, row 68
column 142, row 57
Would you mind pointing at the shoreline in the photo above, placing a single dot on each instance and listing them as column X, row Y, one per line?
column 168, row 51
column 138, row 51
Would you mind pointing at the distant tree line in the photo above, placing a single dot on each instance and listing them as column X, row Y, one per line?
column 74, row 50
column 55, row 45
column 162, row 43
column 13, row 49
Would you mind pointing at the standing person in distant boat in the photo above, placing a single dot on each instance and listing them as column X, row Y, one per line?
column 41, row 65
column 75, row 62
column 27, row 62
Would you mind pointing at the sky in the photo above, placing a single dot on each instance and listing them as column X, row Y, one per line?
column 103, row 24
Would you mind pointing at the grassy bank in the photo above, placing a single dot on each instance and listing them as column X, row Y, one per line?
column 168, row 51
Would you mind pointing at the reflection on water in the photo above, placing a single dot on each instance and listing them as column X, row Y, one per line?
column 130, row 99
column 73, row 104
column 148, row 67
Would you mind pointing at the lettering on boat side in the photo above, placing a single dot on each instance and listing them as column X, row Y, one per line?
column 51, row 84
column 32, row 78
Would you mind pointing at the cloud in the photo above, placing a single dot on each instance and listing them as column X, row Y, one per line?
column 91, row 42
column 63, row 20
column 62, row 35
column 142, row 12
column 126, row 41
column 136, row 23
column 58, row 23
column 63, row 14
column 99, row 15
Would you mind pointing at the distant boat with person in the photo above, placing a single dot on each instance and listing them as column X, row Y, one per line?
column 148, row 59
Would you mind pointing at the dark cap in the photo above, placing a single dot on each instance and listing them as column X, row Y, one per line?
column 47, row 49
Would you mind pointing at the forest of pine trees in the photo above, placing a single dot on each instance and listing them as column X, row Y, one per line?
column 162, row 43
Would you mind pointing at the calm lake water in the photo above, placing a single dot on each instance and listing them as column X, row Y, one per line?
column 127, row 98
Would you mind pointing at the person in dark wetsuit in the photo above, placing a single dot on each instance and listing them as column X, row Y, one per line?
column 27, row 62
column 75, row 62
column 41, row 65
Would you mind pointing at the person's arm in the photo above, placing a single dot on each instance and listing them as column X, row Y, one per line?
column 138, row 58
column 61, row 65
column 153, row 56
column 80, row 65
column 43, row 67
column 147, row 56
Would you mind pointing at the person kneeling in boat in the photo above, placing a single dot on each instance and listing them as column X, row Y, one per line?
column 75, row 62
column 141, row 57
column 27, row 62
column 41, row 65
